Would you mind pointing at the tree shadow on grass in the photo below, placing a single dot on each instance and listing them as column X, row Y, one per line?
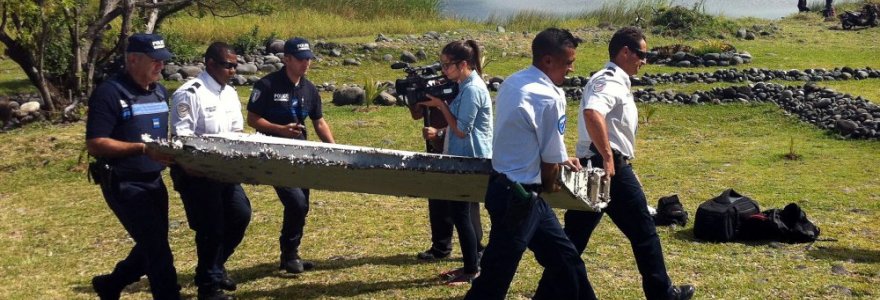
column 870, row 256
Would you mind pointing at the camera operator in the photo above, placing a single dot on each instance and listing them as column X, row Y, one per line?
column 469, row 133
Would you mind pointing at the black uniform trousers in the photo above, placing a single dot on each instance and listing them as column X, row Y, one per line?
column 628, row 210
column 442, row 214
column 140, row 202
column 296, row 208
column 564, row 274
column 219, row 213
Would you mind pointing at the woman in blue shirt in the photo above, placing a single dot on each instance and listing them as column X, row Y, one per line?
column 469, row 134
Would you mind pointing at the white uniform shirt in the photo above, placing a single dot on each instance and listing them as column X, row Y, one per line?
column 608, row 92
column 203, row 106
column 530, row 122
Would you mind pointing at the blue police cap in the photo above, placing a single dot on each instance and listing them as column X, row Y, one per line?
column 299, row 48
column 150, row 44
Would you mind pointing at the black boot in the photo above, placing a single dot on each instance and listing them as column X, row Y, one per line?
column 106, row 287
column 682, row 292
column 212, row 292
column 292, row 263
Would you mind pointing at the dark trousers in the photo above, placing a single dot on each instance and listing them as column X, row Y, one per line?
column 440, row 215
column 802, row 6
column 564, row 275
column 628, row 210
column 296, row 208
column 140, row 202
column 219, row 213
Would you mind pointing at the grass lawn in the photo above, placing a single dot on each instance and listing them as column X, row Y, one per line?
column 56, row 232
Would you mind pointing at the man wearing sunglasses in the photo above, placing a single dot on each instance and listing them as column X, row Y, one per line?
column 606, row 138
column 218, row 212
column 278, row 106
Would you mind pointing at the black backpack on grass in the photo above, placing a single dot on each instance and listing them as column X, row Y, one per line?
column 789, row 225
column 719, row 219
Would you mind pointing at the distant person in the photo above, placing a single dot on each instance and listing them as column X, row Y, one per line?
column 829, row 9
column 802, row 6
column 607, row 122
column 469, row 133
column 528, row 151
column 219, row 212
column 279, row 105
column 122, row 109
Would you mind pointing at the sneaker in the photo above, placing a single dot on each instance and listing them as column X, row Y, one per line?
column 682, row 292
column 451, row 273
column 106, row 288
column 430, row 255
column 462, row 279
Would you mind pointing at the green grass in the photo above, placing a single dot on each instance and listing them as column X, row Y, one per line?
column 56, row 231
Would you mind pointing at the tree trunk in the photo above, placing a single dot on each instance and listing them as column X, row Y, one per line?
column 152, row 17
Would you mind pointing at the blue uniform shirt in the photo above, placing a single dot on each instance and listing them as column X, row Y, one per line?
column 121, row 110
column 278, row 101
column 472, row 109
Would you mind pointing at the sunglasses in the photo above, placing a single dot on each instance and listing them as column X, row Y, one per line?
column 227, row 65
column 640, row 53
column 449, row 64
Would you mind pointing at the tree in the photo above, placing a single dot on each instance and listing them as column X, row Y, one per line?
column 61, row 44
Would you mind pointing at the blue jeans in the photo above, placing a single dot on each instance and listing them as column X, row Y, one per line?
column 219, row 213
column 140, row 202
column 564, row 274
column 628, row 210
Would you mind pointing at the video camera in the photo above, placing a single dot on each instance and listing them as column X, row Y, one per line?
column 424, row 80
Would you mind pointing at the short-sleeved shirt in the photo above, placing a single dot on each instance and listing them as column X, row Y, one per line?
column 113, row 114
column 472, row 109
column 277, row 100
column 529, row 126
column 204, row 106
column 608, row 93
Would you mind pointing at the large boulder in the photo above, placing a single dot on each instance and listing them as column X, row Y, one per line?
column 238, row 80
column 169, row 70
column 385, row 98
column 271, row 59
column 30, row 107
column 246, row 69
column 408, row 57
column 846, row 127
column 275, row 46
column 189, row 71
column 268, row 68
column 351, row 95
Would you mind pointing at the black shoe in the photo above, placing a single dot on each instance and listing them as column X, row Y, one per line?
column 430, row 255
column 106, row 288
column 213, row 293
column 296, row 266
column 227, row 283
column 682, row 292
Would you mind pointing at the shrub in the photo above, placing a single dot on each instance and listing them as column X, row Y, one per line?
column 678, row 21
column 248, row 42
column 184, row 51
column 713, row 46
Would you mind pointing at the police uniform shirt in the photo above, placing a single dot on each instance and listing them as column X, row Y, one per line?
column 608, row 93
column 204, row 106
column 277, row 100
column 114, row 114
column 529, row 126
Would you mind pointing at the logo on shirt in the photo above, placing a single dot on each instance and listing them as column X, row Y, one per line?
column 599, row 84
column 183, row 110
column 255, row 95
column 560, row 125
column 281, row 97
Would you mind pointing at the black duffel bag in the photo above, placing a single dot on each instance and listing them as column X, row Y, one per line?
column 789, row 225
column 719, row 219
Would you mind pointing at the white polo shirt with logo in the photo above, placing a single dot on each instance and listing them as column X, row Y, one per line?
column 608, row 93
column 203, row 106
column 529, row 126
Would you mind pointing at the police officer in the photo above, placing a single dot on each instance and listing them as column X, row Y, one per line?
column 219, row 212
column 528, row 152
column 121, row 109
column 278, row 106
column 607, row 127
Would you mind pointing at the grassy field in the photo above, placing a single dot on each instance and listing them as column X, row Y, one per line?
column 56, row 231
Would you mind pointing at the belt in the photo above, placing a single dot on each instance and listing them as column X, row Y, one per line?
column 502, row 179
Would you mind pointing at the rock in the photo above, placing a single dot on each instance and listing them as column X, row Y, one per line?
column 238, row 80
column 683, row 64
column 252, row 79
column 408, row 57
column 335, row 52
column 841, row 290
column 711, row 56
column 175, row 77
column 679, row 55
column 170, row 69
column 710, row 63
column 190, row 71
column 750, row 36
column 736, row 60
column 382, row 38
column 29, row 107
column 421, row 55
column 271, row 59
column 371, row 46
column 500, row 29
column 348, row 96
column 385, row 98
column 846, row 127
column 839, row 270
column 823, row 103
column 741, row 33
column 246, row 69
column 745, row 55
column 387, row 57
column 268, row 68
column 432, row 35
column 351, row 62
column 275, row 46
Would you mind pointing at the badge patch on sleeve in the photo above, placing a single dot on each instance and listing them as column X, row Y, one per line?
column 255, row 95
column 560, row 125
column 599, row 84
column 183, row 110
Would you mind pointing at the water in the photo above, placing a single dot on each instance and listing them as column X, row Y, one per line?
column 482, row 9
